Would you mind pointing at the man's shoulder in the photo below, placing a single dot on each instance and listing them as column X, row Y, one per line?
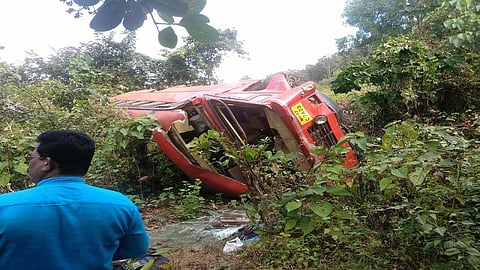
column 108, row 195
column 106, row 191
column 16, row 197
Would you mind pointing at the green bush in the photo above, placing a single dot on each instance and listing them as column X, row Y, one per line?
column 413, row 204
column 189, row 203
column 126, row 159
column 408, row 77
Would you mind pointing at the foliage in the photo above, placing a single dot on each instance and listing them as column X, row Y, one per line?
column 410, row 78
column 128, row 160
column 460, row 21
column 111, row 67
column 376, row 22
column 280, row 195
column 108, row 14
column 413, row 204
column 189, row 203
column 415, row 190
column 71, row 90
column 379, row 20
column 264, row 182
column 325, row 68
column 25, row 111
column 417, row 71
column 125, row 152
column 194, row 63
column 104, row 65
column 183, row 200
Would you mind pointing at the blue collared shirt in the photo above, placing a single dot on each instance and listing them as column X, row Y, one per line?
column 64, row 223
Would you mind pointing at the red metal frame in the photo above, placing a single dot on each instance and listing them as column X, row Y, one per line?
column 295, row 107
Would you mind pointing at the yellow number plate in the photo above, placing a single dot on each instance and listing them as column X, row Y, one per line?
column 302, row 115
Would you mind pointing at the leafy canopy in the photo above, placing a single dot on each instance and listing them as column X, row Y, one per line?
column 115, row 65
column 109, row 14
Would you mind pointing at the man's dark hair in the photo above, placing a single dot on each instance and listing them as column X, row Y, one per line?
column 71, row 150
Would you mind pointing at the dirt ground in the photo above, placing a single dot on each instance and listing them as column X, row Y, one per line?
column 202, row 256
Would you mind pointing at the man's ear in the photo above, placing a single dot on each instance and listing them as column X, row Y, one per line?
column 48, row 164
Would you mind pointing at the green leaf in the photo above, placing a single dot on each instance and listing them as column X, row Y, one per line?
column 145, row 7
column 268, row 154
column 109, row 15
column 418, row 176
column 167, row 18
column 4, row 164
column 287, row 196
column 168, row 38
column 335, row 169
column 452, row 251
column 473, row 251
column 397, row 69
column 400, row 172
column 138, row 135
column 86, row 3
column 250, row 154
column 21, row 168
column 360, row 143
column 124, row 131
column 447, row 163
column 321, row 209
column 440, row 230
column 176, row 8
column 456, row 42
column 339, row 191
column 196, row 6
column 429, row 156
column 318, row 190
column 387, row 141
column 197, row 27
column 344, row 215
column 123, row 144
column 307, row 226
column 203, row 33
column 4, row 179
column 426, row 228
column 193, row 19
column 290, row 223
column 385, row 183
column 358, row 83
column 249, row 207
column 134, row 16
column 293, row 205
column 422, row 219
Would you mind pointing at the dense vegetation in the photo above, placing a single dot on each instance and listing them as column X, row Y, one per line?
column 410, row 79
column 71, row 90
column 412, row 74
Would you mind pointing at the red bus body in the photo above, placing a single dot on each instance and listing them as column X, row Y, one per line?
column 297, row 118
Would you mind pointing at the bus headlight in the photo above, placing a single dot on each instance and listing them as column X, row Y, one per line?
column 320, row 119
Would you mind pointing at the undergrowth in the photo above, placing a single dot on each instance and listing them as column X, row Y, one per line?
column 413, row 204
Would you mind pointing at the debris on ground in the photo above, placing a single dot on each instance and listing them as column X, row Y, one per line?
column 150, row 262
column 215, row 226
column 243, row 236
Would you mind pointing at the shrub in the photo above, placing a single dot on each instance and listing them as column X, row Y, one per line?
column 407, row 77
column 413, row 204
column 126, row 159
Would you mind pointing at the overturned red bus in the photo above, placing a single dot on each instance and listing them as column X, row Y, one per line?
column 297, row 119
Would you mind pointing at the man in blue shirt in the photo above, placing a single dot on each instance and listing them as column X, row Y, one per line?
column 63, row 223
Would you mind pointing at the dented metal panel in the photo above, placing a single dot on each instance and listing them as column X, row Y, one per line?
column 295, row 118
